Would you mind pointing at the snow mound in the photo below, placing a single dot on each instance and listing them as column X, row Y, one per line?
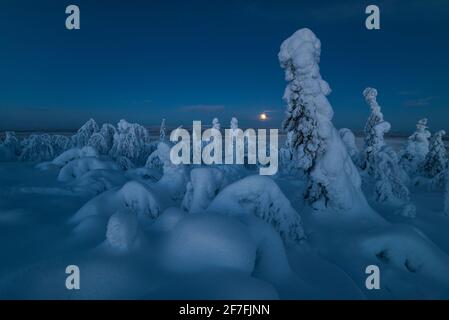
column 78, row 167
column 74, row 153
column 204, row 185
column 97, row 181
column 260, row 196
column 411, row 258
column 133, row 196
column 168, row 219
column 122, row 232
column 348, row 138
column 204, row 241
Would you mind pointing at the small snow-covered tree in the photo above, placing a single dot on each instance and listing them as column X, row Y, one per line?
column 234, row 124
column 315, row 145
column 99, row 143
column 216, row 123
column 381, row 162
column 81, row 138
column 37, row 147
column 416, row 149
column 124, row 163
column 162, row 130
column 436, row 160
column 108, row 131
column 130, row 141
column 12, row 143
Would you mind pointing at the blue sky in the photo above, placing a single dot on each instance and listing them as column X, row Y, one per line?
column 193, row 60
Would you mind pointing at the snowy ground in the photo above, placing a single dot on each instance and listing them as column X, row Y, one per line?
column 156, row 251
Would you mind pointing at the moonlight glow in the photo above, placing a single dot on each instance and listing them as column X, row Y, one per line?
column 263, row 116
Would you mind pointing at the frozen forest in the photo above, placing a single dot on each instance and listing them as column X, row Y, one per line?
column 109, row 200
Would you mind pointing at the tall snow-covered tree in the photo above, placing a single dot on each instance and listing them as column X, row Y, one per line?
column 436, row 159
column 381, row 162
column 162, row 131
column 416, row 149
column 374, row 140
column 81, row 138
column 315, row 145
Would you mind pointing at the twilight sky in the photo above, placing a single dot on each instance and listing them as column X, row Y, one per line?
column 196, row 59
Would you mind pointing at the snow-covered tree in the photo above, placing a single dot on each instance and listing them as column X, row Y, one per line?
column 124, row 163
column 381, row 162
column 60, row 144
column 12, row 143
column 436, row 159
column 315, row 144
column 37, row 147
column 162, row 131
column 374, row 130
column 234, row 124
column 81, row 138
column 130, row 141
column 416, row 149
column 98, row 142
column 108, row 131
column 216, row 123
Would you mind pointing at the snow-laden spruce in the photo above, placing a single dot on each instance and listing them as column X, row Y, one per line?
column 436, row 159
column 162, row 131
column 216, row 124
column 108, row 131
column 37, row 147
column 130, row 141
column 315, row 145
column 81, row 138
column 260, row 196
column 375, row 118
column 416, row 149
column 381, row 162
column 10, row 148
column 60, row 143
column 12, row 142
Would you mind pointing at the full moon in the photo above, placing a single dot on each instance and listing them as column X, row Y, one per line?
column 263, row 116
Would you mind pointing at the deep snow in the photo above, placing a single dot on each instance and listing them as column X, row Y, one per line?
column 48, row 224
